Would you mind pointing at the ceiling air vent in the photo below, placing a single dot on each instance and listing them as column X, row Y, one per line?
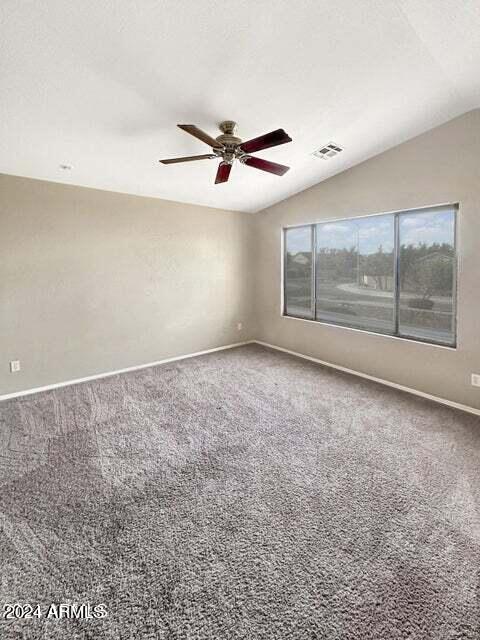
column 328, row 151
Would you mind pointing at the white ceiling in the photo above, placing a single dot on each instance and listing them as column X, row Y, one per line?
column 101, row 84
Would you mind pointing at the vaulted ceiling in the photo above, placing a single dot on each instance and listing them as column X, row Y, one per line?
column 100, row 85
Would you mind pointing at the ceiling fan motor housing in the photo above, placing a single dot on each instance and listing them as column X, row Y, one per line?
column 229, row 140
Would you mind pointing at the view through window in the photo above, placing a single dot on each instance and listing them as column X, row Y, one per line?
column 298, row 272
column 392, row 273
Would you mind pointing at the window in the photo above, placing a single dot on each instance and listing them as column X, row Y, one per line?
column 355, row 273
column 426, row 275
column 298, row 272
column 392, row 274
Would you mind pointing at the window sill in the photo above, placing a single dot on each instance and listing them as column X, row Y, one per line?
column 374, row 333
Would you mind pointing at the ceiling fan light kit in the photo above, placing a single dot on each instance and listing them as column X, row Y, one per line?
column 228, row 147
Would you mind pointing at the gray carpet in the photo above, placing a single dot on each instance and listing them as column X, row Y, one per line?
column 243, row 494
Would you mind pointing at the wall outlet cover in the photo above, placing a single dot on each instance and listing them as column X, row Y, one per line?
column 14, row 366
column 476, row 379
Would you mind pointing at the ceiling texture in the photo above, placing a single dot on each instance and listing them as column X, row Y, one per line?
column 101, row 84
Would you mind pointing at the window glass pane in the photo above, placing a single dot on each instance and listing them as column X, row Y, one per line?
column 298, row 272
column 355, row 273
column 427, row 275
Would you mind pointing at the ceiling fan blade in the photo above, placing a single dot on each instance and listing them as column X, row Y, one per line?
column 266, row 165
column 201, row 135
column 188, row 158
column 223, row 172
column 271, row 139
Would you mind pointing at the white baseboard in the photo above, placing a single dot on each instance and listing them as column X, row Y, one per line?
column 97, row 376
column 394, row 385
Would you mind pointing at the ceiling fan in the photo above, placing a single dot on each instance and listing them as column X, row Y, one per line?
column 229, row 148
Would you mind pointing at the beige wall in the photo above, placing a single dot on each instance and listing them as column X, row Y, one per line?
column 440, row 166
column 93, row 281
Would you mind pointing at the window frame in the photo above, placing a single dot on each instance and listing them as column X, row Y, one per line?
column 455, row 206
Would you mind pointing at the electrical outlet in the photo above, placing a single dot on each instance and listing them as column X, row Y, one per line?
column 475, row 379
column 239, row 326
column 14, row 366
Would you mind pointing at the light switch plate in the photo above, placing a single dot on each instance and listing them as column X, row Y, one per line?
column 14, row 366
column 476, row 379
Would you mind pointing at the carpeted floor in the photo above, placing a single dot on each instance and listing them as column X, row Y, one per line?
column 243, row 494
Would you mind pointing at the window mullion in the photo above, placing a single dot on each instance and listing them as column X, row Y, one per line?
column 284, row 271
column 396, row 278
column 314, row 271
